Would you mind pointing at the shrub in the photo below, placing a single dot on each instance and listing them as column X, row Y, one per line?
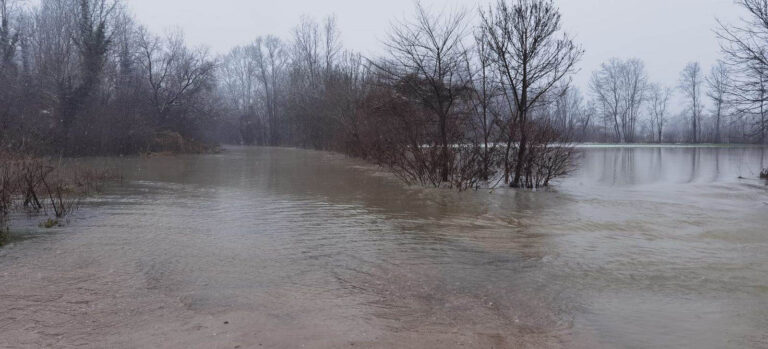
column 5, row 236
column 39, row 184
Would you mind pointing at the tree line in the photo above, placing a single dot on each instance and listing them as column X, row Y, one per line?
column 81, row 77
column 458, row 98
column 723, row 105
column 450, row 103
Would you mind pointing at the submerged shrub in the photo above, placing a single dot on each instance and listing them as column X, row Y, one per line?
column 49, row 223
column 42, row 185
column 5, row 236
column 764, row 174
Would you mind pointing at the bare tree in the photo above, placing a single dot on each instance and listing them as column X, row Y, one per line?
column 314, row 56
column 487, row 121
column 691, row 81
column 9, row 41
column 744, row 47
column 425, row 59
column 270, row 62
column 718, row 83
column 750, row 95
column 569, row 112
column 532, row 56
column 620, row 90
column 252, row 78
column 658, row 98
column 238, row 85
column 9, row 37
column 177, row 77
column 307, row 55
column 331, row 45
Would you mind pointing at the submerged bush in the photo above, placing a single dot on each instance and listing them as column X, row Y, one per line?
column 167, row 142
column 49, row 223
column 764, row 174
column 5, row 236
column 400, row 135
column 45, row 186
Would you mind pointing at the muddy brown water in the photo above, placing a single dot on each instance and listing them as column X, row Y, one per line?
column 641, row 247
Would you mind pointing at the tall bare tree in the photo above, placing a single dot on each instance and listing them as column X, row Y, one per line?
column 270, row 61
column 177, row 77
column 9, row 36
column 691, row 84
column 238, row 85
column 718, row 83
column 9, row 41
column 532, row 54
column 620, row 87
column 425, row 59
column 658, row 102
column 569, row 112
column 744, row 45
column 487, row 121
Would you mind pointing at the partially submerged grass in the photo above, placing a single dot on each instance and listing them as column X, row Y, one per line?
column 49, row 223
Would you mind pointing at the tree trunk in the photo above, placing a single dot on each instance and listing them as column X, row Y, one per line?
column 717, row 124
column 444, row 139
column 520, row 152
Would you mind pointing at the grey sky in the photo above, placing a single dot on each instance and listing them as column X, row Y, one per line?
column 665, row 34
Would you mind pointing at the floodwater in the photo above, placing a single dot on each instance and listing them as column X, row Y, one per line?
column 641, row 247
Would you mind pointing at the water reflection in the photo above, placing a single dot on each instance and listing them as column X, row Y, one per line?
column 620, row 166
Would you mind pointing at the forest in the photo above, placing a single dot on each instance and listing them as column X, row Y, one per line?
column 460, row 99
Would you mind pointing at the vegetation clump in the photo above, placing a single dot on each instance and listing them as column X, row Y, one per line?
column 5, row 236
column 764, row 174
column 45, row 186
column 49, row 223
column 169, row 142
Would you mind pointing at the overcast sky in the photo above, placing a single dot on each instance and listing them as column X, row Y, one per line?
column 665, row 34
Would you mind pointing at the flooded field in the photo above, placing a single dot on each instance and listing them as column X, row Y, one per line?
column 641, row 247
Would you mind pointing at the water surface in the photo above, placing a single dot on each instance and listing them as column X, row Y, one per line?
column 640, row 247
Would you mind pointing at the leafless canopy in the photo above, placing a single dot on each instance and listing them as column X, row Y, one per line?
column 620, row 88
column 691, row 84
column 425, row 62
column 532, row 56
column 745, row 46
column 718, row 87
column 658, row 103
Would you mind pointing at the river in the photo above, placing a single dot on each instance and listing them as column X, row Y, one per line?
column 640, row 247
